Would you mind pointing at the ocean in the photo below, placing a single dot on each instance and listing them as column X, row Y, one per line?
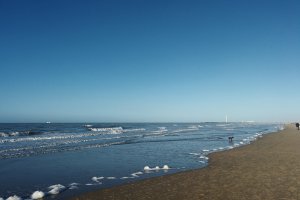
column 65, row 159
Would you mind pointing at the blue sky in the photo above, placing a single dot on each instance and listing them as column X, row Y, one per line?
column 149, row 61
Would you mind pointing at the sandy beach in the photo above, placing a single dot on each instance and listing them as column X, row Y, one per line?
column 269, row 168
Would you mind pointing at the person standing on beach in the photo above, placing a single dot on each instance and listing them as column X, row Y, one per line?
column 297, row 125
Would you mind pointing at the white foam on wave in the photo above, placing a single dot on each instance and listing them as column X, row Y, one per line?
column 162, row 128
column 111, row 177
column 147, row 168
column 3, row 134
column 194, row 127
column 56, row 189
column 88, row 125
column 89, row 184
column 15, row 197
column 166, row 167
column 136, row 174
column 97, row 179
column 73, row 186
column 188, row 129
column 37, row 195
column 195, row 154
column 114, row 130
column 204, row 157
column 126, row 177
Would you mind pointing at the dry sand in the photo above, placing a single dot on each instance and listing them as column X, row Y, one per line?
column 269, row 168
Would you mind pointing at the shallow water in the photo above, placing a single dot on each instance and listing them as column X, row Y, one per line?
column 97, row 155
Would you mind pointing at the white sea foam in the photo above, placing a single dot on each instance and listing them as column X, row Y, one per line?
column 15, row 197
column 188, row 129
column 73, row 186
column 3, row 134
column 165, row 167
column 114, row 130
column 126, row 177
column 37, row 195
column 56, row 189
column 96, row 179
column 88, row 125
column 193, row 127
column 136, row 174
column 147, row 168
column 195, row 154
column 134, row 130
column 111, row 177
column 204, row 157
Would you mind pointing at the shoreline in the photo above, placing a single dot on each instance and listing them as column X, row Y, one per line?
column 268, row 168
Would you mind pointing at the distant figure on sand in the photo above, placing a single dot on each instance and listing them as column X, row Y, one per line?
column 297, row 125
column 230, row 139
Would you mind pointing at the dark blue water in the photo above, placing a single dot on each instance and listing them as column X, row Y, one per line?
column 84, row 157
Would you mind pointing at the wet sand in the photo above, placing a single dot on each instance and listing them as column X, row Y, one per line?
column 269, row 168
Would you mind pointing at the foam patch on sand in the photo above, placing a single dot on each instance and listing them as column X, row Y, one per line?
column 56, row 189
column 15, row 197
column 37, row 195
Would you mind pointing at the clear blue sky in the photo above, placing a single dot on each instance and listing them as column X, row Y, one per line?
column 154, row 60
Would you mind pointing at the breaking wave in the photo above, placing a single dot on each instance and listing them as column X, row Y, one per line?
column 19, row 133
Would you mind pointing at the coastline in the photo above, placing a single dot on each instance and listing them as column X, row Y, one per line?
column 266, row 169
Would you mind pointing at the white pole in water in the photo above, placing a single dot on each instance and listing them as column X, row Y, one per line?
column 226, row 119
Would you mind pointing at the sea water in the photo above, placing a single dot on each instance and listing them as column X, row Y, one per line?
column 58, row 161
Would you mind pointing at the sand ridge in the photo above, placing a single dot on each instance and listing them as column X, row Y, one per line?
column 269, row 168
